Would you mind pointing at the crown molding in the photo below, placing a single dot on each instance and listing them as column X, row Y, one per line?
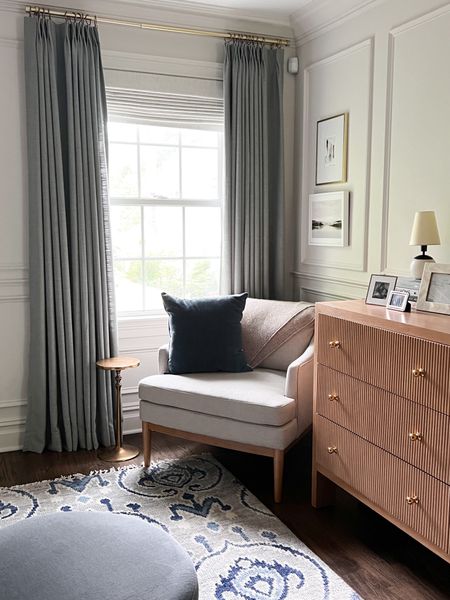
column 320, row 16
column 12, row 6
column 173, row 12
column 213, row 10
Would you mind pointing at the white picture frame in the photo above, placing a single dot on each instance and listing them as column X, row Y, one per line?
column 398, row 300
column 328, row 219
column 434, row 292
column 380, row 288
column 331, row 150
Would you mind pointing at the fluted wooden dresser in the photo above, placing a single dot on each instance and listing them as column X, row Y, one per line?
column 382, row 414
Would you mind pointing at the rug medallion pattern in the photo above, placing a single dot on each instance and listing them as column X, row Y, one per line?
column 241, row 551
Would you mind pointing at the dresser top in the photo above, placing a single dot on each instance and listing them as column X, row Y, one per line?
column 429, row 326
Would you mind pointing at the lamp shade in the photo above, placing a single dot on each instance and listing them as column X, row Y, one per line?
column 425, row 230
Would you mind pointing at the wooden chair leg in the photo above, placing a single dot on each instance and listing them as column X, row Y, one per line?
column 278, row 465
column 147, row 439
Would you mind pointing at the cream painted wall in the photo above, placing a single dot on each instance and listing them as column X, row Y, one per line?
column 126, row 53
column 387, row 66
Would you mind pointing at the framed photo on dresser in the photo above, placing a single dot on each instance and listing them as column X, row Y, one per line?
column 434, row 293
column 398, row 301
column 380, row 287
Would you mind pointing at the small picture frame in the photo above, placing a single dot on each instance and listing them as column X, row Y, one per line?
column 328, row 219
column 398, row 300
column 331, row 150
column 380, row 286
column 434, row 292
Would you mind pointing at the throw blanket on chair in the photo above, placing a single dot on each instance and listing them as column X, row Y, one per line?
column 268, row 324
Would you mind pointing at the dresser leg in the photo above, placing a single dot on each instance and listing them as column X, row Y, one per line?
column 323, row 490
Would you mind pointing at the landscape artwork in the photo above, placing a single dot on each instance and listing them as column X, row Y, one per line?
column 439, row 288
column 328, row 219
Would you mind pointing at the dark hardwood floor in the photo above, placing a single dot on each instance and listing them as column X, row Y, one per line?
column 378, row 560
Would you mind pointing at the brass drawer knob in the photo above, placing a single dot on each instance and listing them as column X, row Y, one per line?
column 332, row 450
column 415, row 437
column 333, row 397
column 334, row 344
column 418, row 372
column 412, row 499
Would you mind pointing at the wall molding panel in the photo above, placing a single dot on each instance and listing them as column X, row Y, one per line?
column 326, row 279
column 13, row 283
column 337, row 258
column 131, row 418
column 426, row 17
column 400, row 30
column 387, row 153
column 15, row 44
column 318, row 18
column 317, row 288
column 340, row 54
column 310, row 295
column 130, row 390
column 405, row 125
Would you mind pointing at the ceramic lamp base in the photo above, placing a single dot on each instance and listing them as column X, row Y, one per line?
column 417, row 265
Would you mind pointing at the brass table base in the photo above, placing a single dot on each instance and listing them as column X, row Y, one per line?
column 125, row 452
column 119, row 452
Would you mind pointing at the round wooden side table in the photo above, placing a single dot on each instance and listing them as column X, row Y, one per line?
column 119, row 452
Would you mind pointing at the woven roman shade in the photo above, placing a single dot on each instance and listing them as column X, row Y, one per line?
column 142, row 106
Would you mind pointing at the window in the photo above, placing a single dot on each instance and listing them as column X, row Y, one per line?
column 166, row 195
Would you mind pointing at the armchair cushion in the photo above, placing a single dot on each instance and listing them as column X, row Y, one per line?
column 254, row 397
column 205, row 334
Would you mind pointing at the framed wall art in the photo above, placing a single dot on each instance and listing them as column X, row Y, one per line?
column 434, row 293
column 328, row 219
column 331, row 150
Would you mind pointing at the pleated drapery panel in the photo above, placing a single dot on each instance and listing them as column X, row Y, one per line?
column 253, row 253
column 72, row 312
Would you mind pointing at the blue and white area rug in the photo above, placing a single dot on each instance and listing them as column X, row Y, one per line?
column 241, row 551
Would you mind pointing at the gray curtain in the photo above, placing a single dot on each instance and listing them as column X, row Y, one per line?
column 72, row 315
column 254, row 203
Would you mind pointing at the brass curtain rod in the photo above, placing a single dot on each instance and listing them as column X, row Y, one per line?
column 155, row 27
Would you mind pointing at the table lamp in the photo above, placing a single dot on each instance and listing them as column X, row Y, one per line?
column 424, row 233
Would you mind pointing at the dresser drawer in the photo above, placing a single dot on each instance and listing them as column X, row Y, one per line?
column 413, row 432
column 409, row 495
column 407, row 366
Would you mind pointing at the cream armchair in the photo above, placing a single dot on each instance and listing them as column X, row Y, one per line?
column 264, row 411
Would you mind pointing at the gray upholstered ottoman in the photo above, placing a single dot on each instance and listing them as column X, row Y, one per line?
column 93, row 556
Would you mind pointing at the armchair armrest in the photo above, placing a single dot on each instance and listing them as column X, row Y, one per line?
column 299, row 385
column 163, row 359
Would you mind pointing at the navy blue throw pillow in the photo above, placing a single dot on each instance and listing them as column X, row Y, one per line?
column 205, row 334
